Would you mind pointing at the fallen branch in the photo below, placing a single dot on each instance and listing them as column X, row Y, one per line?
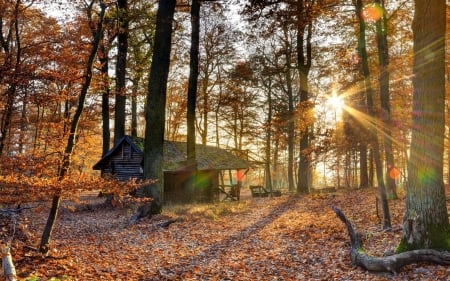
column 166, row 223
column 8, row 268
column 390, row 263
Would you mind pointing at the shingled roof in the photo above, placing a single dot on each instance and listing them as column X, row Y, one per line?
column 208, row 157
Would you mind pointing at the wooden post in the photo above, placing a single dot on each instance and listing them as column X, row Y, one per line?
column 8, row 269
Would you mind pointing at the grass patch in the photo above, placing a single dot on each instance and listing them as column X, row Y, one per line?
column 208, row 211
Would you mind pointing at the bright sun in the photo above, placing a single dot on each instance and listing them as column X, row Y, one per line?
column 336, row 102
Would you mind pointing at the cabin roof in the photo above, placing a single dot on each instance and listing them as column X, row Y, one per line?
column 208, row 157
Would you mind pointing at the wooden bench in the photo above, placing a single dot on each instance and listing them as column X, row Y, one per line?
column 231, row 192
column 260, row 191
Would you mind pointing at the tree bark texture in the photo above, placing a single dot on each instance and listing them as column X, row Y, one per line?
column 390, row 263
column 122, row 51
column 193, row 81
column 426, row 223
column 304, row 58
column 156, row 96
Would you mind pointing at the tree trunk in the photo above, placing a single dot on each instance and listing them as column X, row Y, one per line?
column 304, row 58
column 156, row 98
column 363, row 169
column 426, row 223
column 383, row 59
column 204, row 125
column 134, row 117
column 370, row 107
column 46, row 236
column 122, row 50
column 104, row 62
column 6, row 117
column 290, row 114
column 12, row 88
column 137, row 78
column 23, row 124
column 268, row 172
column 193, row 81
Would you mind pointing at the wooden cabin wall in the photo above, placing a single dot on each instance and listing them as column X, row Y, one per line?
column 177, row 187
column 126, row 163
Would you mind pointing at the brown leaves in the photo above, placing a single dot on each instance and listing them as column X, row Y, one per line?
column 285, row 238
column 18, row 188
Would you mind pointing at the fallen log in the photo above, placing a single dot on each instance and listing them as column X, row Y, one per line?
column 391, row 263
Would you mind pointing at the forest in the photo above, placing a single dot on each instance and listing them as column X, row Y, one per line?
column 224, row 140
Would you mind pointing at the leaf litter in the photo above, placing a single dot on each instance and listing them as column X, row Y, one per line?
column 280, row 238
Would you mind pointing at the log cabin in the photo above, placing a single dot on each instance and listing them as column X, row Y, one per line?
column 125, row 161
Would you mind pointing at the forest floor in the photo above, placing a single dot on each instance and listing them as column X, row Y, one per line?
column 281, row 238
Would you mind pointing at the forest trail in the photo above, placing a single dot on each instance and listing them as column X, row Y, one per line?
column 282, row 238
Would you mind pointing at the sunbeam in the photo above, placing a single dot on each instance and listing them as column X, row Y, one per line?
column 370, row 122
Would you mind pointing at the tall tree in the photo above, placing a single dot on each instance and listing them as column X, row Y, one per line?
column 156, row 97
column 364, row 64
column 367, row 89
column 122, row 51
column 426, row 223
column 104, row 67
column 238, row 105
column 304, row 22
column 193, row 81
column 383, row 59
column 291, row 97
column 97, row 28
column 215, row 53
column 300, row 15
column 103, row 57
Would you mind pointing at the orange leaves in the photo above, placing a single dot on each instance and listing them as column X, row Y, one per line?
column 282, row 238
column 18, row 188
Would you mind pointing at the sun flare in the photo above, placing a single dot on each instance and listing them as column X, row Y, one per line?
column 336, row 102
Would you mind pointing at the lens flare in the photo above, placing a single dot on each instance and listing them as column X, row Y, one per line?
column 394, row 173
column 426, row 175
column 372, row 12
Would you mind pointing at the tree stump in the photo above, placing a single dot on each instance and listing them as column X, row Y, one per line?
column 8, row 269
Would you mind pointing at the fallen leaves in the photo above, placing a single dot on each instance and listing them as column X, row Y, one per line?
column 284, row 238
